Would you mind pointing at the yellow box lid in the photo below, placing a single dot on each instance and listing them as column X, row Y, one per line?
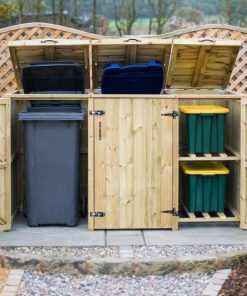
column 203, row 109
column 203, row 168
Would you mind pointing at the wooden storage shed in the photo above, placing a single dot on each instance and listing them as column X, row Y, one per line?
column 135, row 145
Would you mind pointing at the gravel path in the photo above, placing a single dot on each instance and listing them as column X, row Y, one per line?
column 174, row 251
column 38, row 284
column 3, row 277
column 86, row 252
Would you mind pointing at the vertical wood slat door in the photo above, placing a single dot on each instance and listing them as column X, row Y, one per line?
column 133, row 163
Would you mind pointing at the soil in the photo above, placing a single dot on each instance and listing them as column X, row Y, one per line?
column 236, row 284
column 3, row 277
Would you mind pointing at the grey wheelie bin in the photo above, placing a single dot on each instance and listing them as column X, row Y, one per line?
column 52, row 154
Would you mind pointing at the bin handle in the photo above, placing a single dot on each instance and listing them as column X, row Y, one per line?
column 49, row 40
column 132, row 39
column 207, row 40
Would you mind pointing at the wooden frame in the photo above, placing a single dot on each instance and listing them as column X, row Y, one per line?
column 243, row 175
column 180, row 97
column 232, row 158
column 5, row 165
column 93, row 100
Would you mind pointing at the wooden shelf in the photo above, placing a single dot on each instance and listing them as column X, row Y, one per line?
column 229, row 156
column 228, row 216
column 213, row 158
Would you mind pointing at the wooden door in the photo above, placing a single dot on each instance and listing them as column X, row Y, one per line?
column 133, row 163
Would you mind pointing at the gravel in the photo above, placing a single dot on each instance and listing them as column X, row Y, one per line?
column 36, row 283
column 86, row 252
column 174, row 251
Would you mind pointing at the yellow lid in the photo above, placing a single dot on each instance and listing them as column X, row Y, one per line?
column 203, row 109
column 204, row 168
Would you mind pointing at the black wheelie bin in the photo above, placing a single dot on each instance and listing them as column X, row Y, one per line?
column 52, row 144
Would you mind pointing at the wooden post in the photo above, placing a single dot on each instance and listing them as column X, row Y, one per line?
column 5, row 165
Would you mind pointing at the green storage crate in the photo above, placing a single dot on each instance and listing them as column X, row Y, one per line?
column 205, row 128
column 206, row 186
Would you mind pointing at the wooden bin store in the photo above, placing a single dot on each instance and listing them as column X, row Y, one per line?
column 134, row 144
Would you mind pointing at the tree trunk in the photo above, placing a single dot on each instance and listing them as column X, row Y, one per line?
column 159, row 17
column 229, row 12
column 131, row 17
column 53, row 7
column 21, row 8
column 76, row 15
column 151, row 15
column 38, row 10
column 95, row 16
column 61, row 8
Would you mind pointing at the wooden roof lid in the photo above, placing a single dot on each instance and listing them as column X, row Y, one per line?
column 201, row 63
column 39, row 50
column 124, row 51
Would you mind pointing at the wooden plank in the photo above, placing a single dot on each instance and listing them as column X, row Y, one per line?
column 154, row 135
column 151, row 213
column 171, row 67
column 95, row 74
column 204, row 220
column 5, row 158
column 91, row 193
column 199, row 65
column 2, row 221
column 16, row 67
column 5, row 227
column 190, row 215
column 139, row 162
column 50, row 53
column 175, row 162
column 243, row 174
column 112, row 164
column 221, row 215
column 8, row 201
column 207, row 216
column 166, row 168
column 126, row 163
column 131, row 53
column 100, row 163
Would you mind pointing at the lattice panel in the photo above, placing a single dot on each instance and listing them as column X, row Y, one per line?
column 26, row 32
column 238, row 80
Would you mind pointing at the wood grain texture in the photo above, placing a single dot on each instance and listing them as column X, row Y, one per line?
column 133, row 173
column 5, row 164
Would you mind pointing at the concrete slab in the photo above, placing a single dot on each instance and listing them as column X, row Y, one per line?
column 203, row 234
column 124, row 238
column 23, row 235
column 206, row 234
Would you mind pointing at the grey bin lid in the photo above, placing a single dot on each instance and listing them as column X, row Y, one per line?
column 51, row 116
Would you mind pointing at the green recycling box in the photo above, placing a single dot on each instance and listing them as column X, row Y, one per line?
column 206, row 186
column 205, row 128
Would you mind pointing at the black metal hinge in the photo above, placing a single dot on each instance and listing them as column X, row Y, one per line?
column 97, row 112
column 97, row 214
column 173, row 212
column 173, row 114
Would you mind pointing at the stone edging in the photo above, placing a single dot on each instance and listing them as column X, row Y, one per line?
column 13, row 283
column 127, row 266
column 216, row 282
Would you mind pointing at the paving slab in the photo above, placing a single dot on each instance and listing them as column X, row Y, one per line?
column 206, row 234
column 23, row 235
column 202, row 234
column 124, row 238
